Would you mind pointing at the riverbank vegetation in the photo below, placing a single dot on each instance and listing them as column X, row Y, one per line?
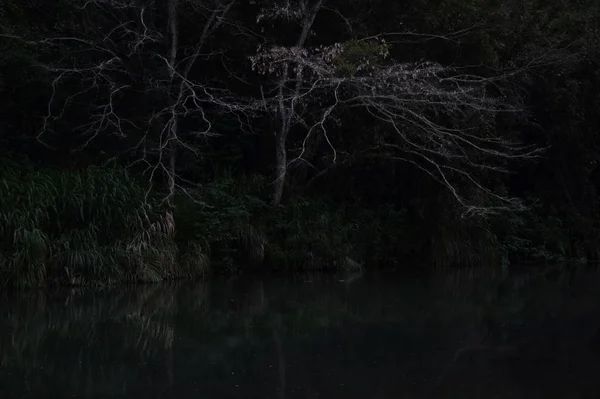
column 144, row 141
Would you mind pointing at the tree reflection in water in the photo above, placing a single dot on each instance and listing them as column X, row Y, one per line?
column 455, row 335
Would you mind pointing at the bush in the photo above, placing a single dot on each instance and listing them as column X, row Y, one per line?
column 220, row 218
column 311, row 234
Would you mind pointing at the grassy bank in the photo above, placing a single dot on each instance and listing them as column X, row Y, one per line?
column 100, row 226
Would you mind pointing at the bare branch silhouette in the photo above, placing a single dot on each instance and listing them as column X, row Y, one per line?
column 313, row 85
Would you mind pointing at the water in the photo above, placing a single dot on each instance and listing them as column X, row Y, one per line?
column 452, row 336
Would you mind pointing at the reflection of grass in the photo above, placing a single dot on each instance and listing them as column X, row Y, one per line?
column 109, row 333
column 87, row 338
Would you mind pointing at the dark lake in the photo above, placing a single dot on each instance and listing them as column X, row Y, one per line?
column 454, row 335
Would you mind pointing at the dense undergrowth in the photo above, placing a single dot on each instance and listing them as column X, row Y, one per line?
column 100, row 226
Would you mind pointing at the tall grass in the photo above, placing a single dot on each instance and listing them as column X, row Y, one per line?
column 89, row 226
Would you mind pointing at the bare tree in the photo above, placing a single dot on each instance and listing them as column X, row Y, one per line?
column 313, row 84
column 280, row 62
column 133, row 55
column 183, row 90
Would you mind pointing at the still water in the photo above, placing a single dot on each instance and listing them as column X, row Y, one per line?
column 450, row 336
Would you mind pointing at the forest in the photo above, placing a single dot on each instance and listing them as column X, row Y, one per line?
column 143, row 141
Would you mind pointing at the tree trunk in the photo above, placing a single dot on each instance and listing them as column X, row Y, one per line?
column 286, row 108
column 172, row 158
column 172, row 130
column 280, row 169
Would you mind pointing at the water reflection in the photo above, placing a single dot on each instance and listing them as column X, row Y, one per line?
column 457, row 335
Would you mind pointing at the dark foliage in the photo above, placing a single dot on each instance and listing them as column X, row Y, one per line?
column 121, row 159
